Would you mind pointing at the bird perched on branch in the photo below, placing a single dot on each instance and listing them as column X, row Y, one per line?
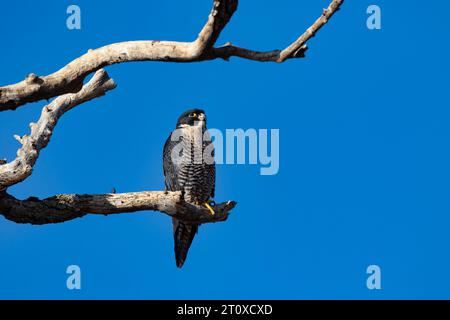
column 188, row 163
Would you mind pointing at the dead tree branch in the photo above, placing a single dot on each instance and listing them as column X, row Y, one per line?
column 70, row 78
column 63, row 208
column 67, row 83
column 296, row 50
column 22, row 166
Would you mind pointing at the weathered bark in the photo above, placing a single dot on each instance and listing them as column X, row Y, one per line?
column 21, row 168
column 67, row 207
column 299, row 46
column 70, row 78
column 67, row 83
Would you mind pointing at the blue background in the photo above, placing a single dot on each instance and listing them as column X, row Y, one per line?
column 364, row 175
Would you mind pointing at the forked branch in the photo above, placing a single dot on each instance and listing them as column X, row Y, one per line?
column 22, row 166
column 70, row 78
column 67, row 83
column 63, row 208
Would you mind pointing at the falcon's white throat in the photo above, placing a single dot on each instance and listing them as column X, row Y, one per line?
column 200, row 123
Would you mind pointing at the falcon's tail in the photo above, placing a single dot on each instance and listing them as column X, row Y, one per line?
column 183, row 234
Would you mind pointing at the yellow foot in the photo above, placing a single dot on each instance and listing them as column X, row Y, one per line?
column 211, row 210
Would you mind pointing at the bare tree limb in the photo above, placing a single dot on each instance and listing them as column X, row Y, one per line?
column 70, row 78
column 21, row 167
column 228, row 50
column 63, row 208
column 296, row 50
column 67, row 83
column 220, row 15
column 298, row 47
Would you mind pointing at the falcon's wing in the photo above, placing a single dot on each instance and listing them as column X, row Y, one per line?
column 212, row 178
column 183, row 233
column 170, row 170
column 210, row 170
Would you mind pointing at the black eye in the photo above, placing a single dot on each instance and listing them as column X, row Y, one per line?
column 192, row 115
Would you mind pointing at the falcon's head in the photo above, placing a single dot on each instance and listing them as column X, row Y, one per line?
column 193, row 117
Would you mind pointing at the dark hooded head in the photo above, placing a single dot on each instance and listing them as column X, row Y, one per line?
column 191, row 117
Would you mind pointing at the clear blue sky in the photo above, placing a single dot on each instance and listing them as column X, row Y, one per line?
column 365, row 165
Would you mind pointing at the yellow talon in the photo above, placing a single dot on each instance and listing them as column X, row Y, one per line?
column 211, row 210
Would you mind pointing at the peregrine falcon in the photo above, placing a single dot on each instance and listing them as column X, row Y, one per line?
column 188, row 168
